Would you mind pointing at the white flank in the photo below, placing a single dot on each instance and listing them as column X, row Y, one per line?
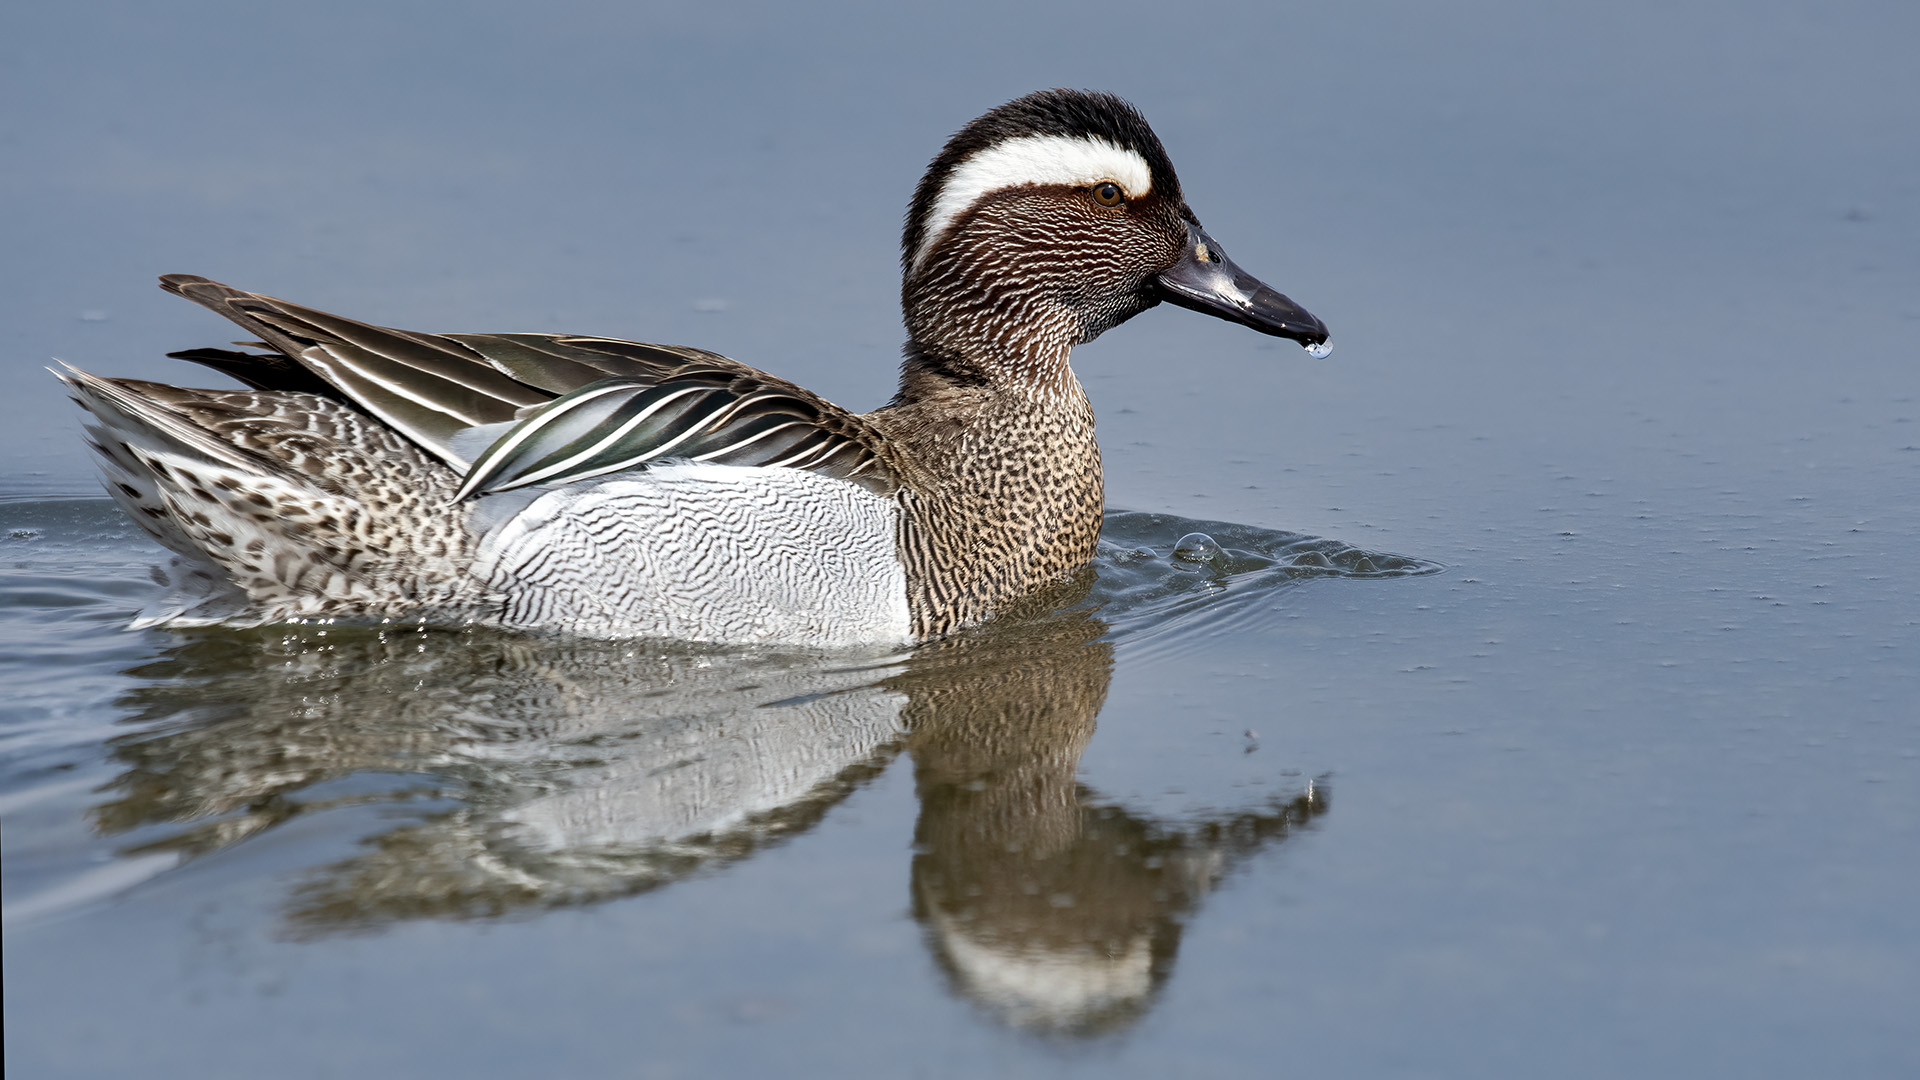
column 1081, row 161
column 704, row 552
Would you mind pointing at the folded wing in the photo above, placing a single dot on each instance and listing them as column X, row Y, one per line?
column 580, row 406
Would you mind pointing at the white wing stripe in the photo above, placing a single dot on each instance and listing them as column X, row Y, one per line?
column 612, row 437
column 512, row 442
column 731, row 447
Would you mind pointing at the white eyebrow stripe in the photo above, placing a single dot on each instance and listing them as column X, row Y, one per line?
column 1032, row 159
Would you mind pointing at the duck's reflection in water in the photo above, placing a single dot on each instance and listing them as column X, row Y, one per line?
column 564, row 773
column 554, row 772
column 1052, row 910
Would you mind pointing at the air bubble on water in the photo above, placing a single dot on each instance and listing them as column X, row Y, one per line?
column 1319, row 350
column 1197, row 547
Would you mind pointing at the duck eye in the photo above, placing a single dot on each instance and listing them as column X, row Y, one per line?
column 1107, row 194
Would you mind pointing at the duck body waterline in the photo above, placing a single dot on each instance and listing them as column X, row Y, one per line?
column 620, row 489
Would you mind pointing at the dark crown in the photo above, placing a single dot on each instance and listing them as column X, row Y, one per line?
column 1044, row 112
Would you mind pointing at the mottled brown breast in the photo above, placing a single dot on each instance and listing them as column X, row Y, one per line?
column 1009, row 497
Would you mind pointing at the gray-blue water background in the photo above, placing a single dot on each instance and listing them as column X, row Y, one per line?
column 1625, row 301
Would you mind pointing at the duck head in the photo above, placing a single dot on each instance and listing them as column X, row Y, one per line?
column 1054, row 218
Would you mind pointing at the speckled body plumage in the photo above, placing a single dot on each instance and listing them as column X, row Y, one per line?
column 614, row 488
column 281, row 505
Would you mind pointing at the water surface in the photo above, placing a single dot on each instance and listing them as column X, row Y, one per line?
column 1623, row 301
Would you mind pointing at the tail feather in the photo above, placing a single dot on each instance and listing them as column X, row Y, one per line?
column 223, row 509
column 138, row 419
column 259, row 537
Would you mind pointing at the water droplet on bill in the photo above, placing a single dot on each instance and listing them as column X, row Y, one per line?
column 1319, row 350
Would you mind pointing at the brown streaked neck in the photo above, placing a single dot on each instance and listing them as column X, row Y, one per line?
column 973, row 326
column 928, row 375
column 1007, row 491
column 956, row 408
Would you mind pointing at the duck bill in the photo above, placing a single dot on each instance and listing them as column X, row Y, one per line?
column 1205, row 280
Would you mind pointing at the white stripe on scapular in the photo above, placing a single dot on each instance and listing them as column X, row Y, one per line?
column 1081, row 161
column 749, row 441
column 799, row 458
column 482, row 464
column 711, row 424
column 559, row 467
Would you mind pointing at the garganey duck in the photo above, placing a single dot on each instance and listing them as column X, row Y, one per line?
column 614, row 489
